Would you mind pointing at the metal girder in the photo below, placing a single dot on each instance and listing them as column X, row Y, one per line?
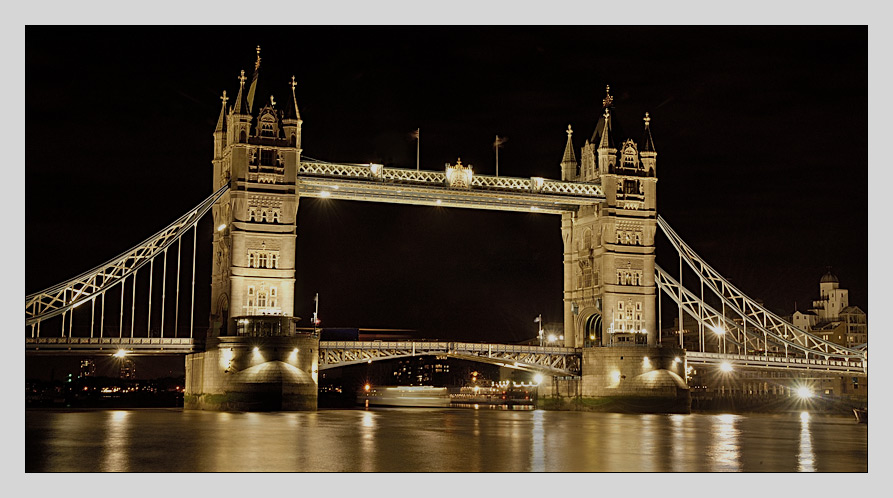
column 377, row 183
column 776, row 328
column 109, row 345
column 775, row 362
column 554, row 360
column 78, row 290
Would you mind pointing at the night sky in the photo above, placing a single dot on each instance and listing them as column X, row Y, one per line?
column 761, row 134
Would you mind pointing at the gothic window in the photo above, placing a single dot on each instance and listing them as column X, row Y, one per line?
column 620, row 305
column 292, row 141
column 263, row 215
column 638, row 306
column 266, row 157
column 587, row 239
column 262, row 299
column 250, row 296
column 262, row 260
column 627, row 241
column 595, row 277
column 242, row 136
column 273, row 298
column 274, row 260
column 251, row 261
column 587, row 277
column 638, row 239
column 579, row 275
column 266, row 129
column 275, row 215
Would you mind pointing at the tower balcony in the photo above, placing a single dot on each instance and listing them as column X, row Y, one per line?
column 265, row 326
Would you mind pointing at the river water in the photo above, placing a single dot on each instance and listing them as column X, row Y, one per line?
column 438, row 440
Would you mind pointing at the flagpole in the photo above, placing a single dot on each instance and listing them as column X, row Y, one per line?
column 418, row 142
column 497, row 155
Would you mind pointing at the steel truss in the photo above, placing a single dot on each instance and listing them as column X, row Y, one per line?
column 376, row 183
column 86, row 286
column 552, row 360
column 756, row 321
column 105, row 345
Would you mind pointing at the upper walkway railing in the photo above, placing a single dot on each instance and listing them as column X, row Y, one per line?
column 450, row 188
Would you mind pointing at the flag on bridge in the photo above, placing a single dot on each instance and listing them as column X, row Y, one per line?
column 538, row 319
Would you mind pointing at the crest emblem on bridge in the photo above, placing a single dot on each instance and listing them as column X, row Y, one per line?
column 459, row 176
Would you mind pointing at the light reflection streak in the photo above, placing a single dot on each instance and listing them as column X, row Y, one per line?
column 724, row 453
column 117, row 446
column 806, row 457
column 367, row 444
column 676, row 461
column 537, row 463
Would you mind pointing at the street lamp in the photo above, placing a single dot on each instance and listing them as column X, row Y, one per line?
column 721, row 332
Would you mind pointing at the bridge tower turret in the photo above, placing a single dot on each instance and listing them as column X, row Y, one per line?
column 609, row 248
column 255, row 222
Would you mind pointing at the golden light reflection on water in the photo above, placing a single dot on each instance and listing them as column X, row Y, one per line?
column 678, row 443
column 724, row 455
column 116, row 446
column 806, row 457
column 537, row 456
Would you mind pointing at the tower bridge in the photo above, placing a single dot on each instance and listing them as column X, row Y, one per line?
column 609, row 223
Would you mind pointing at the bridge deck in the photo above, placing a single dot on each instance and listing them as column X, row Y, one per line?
column 774, row 362
column 109, row 345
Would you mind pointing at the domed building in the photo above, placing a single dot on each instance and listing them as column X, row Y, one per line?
column 831, row 317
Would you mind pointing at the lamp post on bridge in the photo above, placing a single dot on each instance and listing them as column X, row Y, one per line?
column 539, row 320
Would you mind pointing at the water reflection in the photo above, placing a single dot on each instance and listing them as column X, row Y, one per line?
column 437, row 440
column 537, row 462
column 724, row 453
column 805, row 458
column 116, row 447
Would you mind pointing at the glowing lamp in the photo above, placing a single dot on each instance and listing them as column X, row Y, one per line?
column 725, row 366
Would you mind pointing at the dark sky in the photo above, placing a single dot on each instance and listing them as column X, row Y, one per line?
column 761, row 133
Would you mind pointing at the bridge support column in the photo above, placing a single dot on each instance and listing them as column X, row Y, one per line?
column 267, row 366
column 635, row 379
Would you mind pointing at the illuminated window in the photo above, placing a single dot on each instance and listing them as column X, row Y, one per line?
column 251, row 261
column 274, row 260
column 262, row 260
column 262, row 299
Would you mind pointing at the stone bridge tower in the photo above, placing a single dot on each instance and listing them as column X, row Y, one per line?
column 257, row 147
column 255, row 358
column 609, row 289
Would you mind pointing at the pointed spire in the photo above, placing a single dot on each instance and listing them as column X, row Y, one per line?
column 241, row 106
column 607, row 140
column 253, row 88
column 569, row 157
column 221, row 121
column 647, row 141
column 608, row 101
column 291, row 111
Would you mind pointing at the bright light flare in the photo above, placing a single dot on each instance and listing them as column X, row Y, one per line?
column 725, row 366
column 367, row 387
column 552, row 337
column 538, row 378
column 325, row 193
column 718, row 330
column 121, row 353
column 804, row 392
column 221, row 227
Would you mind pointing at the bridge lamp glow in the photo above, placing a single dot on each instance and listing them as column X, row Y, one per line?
column 551, row 337
column 804, row 392
column 367, row 387
column 221, row 227
column 120, row 354
column 725, row 366
column 538, row 379
column 324, row 194
column 677, row 360
column 439, row 202
column 615, row 376
column 718, row 330
column 256, row 350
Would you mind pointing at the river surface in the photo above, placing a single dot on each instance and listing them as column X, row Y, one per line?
column 438, row 440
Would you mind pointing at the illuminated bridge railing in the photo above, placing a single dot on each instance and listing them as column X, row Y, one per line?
column 776, row 362
column 555, row 360
column 436, row 178
column 110, row 345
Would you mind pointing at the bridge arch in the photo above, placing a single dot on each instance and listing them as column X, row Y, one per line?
column 587, row 324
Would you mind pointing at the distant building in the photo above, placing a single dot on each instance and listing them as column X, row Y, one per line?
column 88, row 369
column 832, row 318
column 128, row 369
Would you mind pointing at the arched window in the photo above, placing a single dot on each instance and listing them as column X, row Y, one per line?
column 251, row 263
column 242, row 136
column 250, row 296
column 275, row 215
column 263, row 215
column 587, row 239
column 273, row 299
column 262, row 299
column 262, row 260
column 274, row 260
column 579, row 278
column 252, row 214
column 292, row 141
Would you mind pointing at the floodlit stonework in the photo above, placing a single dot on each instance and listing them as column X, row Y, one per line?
column 609, row 289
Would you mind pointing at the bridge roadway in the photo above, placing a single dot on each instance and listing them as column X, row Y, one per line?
column 552, row 360
column 454, row 187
